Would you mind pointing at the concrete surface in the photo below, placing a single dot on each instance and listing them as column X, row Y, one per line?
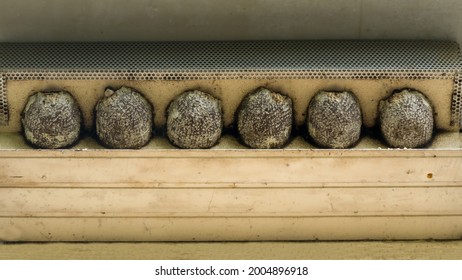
column 237, row 250
column 157, row 20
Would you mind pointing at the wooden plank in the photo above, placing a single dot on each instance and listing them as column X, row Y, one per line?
column 281, row 250
column 233, row 168
column 237, row 229
column 74, row 202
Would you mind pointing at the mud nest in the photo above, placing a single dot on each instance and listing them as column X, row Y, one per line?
column 264, row 119
column 194, row 120
column 406, row 119
column 334, row 119
column 124, row 119
column 51, row 120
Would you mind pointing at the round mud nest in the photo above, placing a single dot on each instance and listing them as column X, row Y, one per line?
column 406, row 119
column 264, row 119
column 124, row 119
column 334, row 119
column 194, row 120
column 51, row 120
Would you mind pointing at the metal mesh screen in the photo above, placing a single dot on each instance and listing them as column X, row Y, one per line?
column 4, row 115
column 232, row 60
column 262, row 55
column 456, row 106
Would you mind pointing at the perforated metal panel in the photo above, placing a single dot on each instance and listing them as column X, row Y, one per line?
column 456, row 105
column 4, row 115
column 267, row 55
column 233, row 60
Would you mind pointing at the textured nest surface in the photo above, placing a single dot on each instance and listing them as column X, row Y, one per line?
column 406, row 119
column 51, row 120
column 194, row 120
column 334, row 119
column 124, row 119
column 264, row 119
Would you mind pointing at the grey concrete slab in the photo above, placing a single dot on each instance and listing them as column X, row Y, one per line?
column 411, row 19
column 160, row 20
column 146, row 20
column 295, row 19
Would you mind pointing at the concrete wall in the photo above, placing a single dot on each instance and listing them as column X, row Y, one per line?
column 155, row 20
